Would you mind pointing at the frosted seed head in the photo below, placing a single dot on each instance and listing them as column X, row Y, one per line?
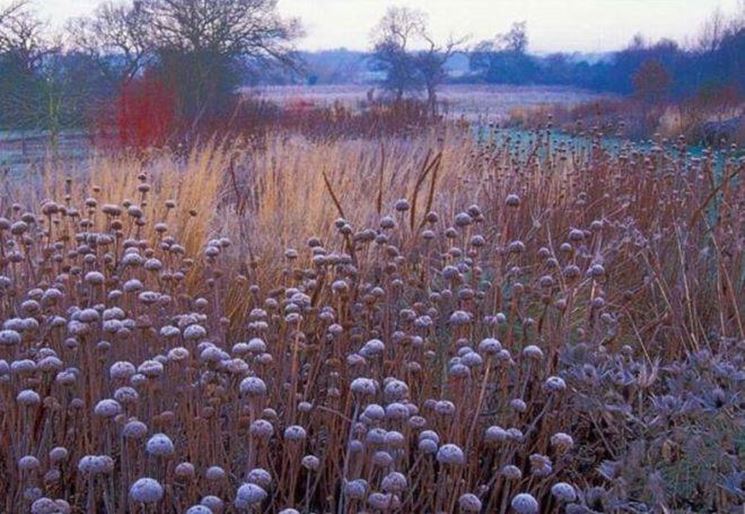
column 213, row 503
column 261, row 429
column 469, row 503
column 562, row 442
column 295, row 433
column 134, row 429
column 555, row 384
column 107, row 408
column 260, row 477
column 146, row 490
column 253, row 387
column 428, row 446
column 394, row 482
column 364, row 386
column 490, row 346
column 160, row 445
column 533, row 352
column 382, row 459
column 356, row 489
column 214, row 473
column 450, row 454
column 185, row 470
column 524, row 503
column 28, row 398
column 249, row 495
column 511, row 472
column 58, row 454
column 122, row 370
column 311, row 462
column 373, row 412
column 563, row 492
column 44, row 506
column 28, row 463
column 495, row 435
column 9, row 338
column 540, row 465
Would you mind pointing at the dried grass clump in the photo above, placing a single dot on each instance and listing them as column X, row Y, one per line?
column 433, row 324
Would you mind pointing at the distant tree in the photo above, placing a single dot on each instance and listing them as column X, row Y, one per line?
column 393, row 37
column 23, row 46
column 712, row 32
column 504, row 58
column 408, row 54
column 118, row 38
column 652, row 81
column 430, row 67
column 23, row 36
column 516, row 39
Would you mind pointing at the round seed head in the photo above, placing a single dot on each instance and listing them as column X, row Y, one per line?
column 107, row 408
column 253, row 387
column 249, row 495
column 260, row 477
column 295, row 433
column 469, row 503
column 356, row 489
column 563, row 492
column 214, row 473
column 555, row 384
column 394, row 482
column 524, row 503
column 364, row 386
column 160, row 445
column 450, row 454
column 146, row 490
column 311, row 462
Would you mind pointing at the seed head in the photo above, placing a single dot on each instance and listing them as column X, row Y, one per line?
column 450, row 454
column 563, row 492
column 146, row 490
column 524, row 503
column 469, row 503
column 160, row 445
column 249, row 495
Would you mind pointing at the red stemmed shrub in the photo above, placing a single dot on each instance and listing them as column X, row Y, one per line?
column 143, row 115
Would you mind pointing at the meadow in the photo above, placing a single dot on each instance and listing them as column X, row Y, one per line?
column 424, row 321
column 485, row 103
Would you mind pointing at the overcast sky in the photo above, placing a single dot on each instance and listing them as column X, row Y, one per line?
column 568, row 25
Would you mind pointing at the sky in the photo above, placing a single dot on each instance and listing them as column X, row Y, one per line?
column 553, row 25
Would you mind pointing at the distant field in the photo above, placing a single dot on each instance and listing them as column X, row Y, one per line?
column 21, row 151
column 474, row 102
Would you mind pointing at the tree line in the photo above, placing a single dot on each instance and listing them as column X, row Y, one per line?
column 654, row 70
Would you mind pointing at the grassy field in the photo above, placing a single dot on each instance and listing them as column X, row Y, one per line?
column 487, row 103
column 428, row 322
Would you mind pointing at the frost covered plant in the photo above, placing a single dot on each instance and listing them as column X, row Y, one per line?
column 471, row 336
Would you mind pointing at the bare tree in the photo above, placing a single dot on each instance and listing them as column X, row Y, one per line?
column 396, row 39
column 117, row 37
column 712, row 32
column 230, row 28
column 392, row 38
column 201, row 50
column 23, row 36
column 430, row 65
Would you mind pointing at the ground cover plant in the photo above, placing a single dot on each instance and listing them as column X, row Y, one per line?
column 428, row 322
